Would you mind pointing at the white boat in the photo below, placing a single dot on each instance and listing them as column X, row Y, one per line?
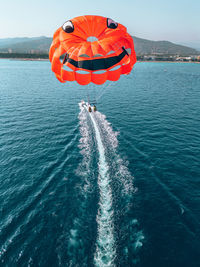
column 90, row 108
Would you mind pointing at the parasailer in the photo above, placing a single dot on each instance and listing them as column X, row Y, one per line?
column 94, row 108
column 91, row 49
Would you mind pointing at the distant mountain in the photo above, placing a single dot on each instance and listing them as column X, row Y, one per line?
column 194, row 44
column 7, row 42
column 142, row 46
column 26, row 45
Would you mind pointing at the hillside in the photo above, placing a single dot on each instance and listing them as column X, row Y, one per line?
column 26, row 45
column 142, row 46
column 7, row 42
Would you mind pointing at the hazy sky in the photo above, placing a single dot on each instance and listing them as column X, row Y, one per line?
column 173, row 20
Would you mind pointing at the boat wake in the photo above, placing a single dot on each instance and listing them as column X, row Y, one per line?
column 105, row 246
column 109, row 187
column 127, row 232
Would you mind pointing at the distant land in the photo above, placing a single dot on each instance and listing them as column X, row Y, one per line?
column 39, row 47
column 25, row 45
column 146, row 47
column 193, row 44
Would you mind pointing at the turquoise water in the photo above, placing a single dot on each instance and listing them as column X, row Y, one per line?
column 116, row 188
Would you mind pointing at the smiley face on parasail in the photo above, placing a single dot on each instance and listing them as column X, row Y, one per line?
column 91, row 49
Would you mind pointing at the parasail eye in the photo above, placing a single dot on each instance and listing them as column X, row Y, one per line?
column 111, row 24
column 68, row 26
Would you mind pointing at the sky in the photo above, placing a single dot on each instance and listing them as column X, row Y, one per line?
column 172, row 20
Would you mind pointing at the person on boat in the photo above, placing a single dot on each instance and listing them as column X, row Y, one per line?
column 89, row 108
column 82, row 103
column 95, row 108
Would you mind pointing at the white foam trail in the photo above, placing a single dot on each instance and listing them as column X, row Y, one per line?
column 111, row 135
column 123, row 174
column 105, row 247
column 113, row 174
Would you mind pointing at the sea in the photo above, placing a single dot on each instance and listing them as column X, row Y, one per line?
column 118, row 187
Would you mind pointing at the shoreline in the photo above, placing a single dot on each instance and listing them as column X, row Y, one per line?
column 27, row 59
column 167, row 61
column 138, row 61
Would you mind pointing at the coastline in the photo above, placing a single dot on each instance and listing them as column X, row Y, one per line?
column 138, row 61
column 27, row 59
column 167, row 61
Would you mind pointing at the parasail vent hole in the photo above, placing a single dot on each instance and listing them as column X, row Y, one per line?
column 92, row 39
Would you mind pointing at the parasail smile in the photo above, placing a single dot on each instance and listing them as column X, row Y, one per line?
column 96, row 64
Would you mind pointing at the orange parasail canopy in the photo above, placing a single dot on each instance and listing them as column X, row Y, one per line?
column 91, row 49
